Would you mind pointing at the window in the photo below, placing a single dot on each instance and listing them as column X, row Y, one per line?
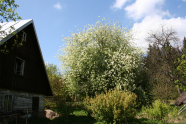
column 7, row 103
column 24, row 36
column 19, row 67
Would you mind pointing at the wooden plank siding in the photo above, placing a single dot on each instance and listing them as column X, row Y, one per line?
column 35, row 78
column 21, row 101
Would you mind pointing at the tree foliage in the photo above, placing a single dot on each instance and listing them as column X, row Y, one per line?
column 59, row 88
column 7, row 10
column 181, row 68
column 7, row 13
column 101, row 57
column 161, row 85
column 161, row 57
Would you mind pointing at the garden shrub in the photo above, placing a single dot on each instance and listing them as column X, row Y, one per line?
column 112, row 107
column 158, row 110
column 164, row 90
column 174, row 113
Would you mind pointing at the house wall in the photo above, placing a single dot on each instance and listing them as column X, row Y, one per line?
column 21, row 100
column 34, row 79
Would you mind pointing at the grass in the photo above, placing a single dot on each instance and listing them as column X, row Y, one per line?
column 181, row 118
column 80, row 116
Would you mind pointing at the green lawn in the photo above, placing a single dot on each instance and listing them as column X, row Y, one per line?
column 80, row 116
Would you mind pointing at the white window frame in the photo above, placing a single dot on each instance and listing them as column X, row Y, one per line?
column 21, row 67
column 7, row 102
column 24, row 36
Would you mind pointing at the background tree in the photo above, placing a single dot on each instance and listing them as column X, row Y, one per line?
column 59, row 88
column 7, row 13
column 184, row 46
column 166, row 53
column 181, row 68
column 60, row 94
column 101, row 57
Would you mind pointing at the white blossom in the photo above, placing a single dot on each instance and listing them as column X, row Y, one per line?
column 102, row 54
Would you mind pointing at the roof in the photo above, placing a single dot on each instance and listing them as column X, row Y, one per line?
column 18, row 26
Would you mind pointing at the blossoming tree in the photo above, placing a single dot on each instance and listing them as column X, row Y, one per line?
column 100, row 57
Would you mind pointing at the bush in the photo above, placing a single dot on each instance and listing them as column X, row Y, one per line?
column 158, row 111
column 174, row 113
column 112, row 107
column 164, row 90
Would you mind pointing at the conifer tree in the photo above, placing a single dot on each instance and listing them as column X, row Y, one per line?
column 166, row 53
column 184, row 46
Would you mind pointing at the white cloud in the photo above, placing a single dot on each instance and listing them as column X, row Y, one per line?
column 119, row 4
column 152, row 16
column 58, row 6
column 143, row 8
column 153, row 23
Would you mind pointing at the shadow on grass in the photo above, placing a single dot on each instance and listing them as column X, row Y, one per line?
column 73, row 119
column 32, row 121
column 89, row 120
column 80, row 117
column 81, row 120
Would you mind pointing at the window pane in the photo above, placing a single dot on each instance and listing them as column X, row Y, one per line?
column 19, row 66
column 9, row 108
column 10, row 97
column 5, row 106
column 6, row 97
column 7, row 103
column 24, row 36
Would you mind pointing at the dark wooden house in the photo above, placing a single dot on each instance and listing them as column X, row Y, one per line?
column 23, row 79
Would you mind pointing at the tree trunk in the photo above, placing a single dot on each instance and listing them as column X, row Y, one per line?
column 179, row 91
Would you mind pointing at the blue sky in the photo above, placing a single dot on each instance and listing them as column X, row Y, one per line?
column 54, row 18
